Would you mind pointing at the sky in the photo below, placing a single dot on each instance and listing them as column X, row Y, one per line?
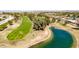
column 39, row 5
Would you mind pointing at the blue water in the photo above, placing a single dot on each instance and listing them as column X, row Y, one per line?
column 61, row 39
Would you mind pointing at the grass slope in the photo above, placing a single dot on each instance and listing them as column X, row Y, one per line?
column 21, row 31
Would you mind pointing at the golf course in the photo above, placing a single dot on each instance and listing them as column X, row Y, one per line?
column 39, row 30
column 22, row 30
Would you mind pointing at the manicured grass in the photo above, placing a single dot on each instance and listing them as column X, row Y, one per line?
column 3, row 26
column 22, row 30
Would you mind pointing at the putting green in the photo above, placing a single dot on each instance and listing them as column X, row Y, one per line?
column 22, row 30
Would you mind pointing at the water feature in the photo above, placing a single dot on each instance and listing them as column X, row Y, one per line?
column 61, row 39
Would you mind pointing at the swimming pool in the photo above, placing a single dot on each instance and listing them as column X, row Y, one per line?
column 61, row 39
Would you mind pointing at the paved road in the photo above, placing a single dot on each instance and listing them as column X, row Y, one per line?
column 6, row 20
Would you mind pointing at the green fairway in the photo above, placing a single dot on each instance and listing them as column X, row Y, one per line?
column 22, row 30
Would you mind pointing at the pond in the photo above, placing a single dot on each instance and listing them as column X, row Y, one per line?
column 60, row 39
